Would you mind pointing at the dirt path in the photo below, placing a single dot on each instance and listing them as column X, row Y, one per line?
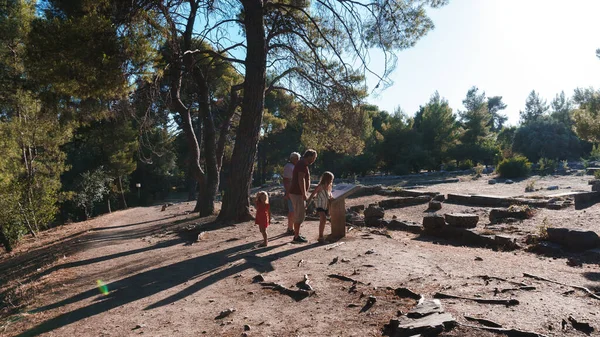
column 161, row 285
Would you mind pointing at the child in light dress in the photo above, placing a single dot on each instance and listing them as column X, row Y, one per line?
column 323, row 197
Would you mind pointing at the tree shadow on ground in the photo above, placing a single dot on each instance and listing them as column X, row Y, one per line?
column 592, row 276
column 26, row 265
column 213, row 267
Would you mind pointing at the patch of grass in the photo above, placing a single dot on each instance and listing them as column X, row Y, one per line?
column 542, row 229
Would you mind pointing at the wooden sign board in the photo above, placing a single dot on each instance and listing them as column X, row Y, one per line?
column 337, row 209
column 344, row 190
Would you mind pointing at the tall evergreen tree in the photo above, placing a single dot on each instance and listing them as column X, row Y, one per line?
column 497, row 120
column 438, row 127
column 535, row 108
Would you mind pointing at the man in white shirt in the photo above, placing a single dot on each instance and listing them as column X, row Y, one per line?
column 288, row 172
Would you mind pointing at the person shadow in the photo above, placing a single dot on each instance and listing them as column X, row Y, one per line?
column 206, row 269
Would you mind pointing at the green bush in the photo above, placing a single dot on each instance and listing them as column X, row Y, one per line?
column 547, row 166
column 597, row 174
column 515, row 167
column 466, row 164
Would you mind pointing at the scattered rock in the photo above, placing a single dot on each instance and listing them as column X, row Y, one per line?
column 353, row 305
column 370, row 251
column 552, row 188
column 246, row 327
column 435, row 205
column 508, row 181
column 296, row 295
column 462, row 220
column 407, row 293
column 225, row 313
column 477, row 258
column 571, row 262
column 433, row 223
column 258, row 278
column 357, row 209
column 581, row 326
column 492, row 181
column 139, row 326
column 373, row 215
column 163, row 208
column 345, row 260
column 440, row 197
column 202, row 236
column 304, row 284
column 334, row 261
column 484, row 322
column 370, row 302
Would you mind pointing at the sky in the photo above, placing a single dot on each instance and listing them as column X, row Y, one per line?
column 504, row 47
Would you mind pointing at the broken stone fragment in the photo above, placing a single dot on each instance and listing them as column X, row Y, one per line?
column 258, row 278
column 435, row 205
column 433, row 223
column 225, row 313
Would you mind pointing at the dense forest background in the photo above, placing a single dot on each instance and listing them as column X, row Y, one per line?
column 106, row 105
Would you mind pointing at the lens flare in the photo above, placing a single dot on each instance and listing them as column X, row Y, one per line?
column 102, row 287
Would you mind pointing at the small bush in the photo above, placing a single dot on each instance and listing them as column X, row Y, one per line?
column 466, row 164
column 597, row 174
column 530, row 186
column 595, row 154
column 547, row 166
column 564, row 165
column 515, row 167
column 478, row 170
column 450, row 166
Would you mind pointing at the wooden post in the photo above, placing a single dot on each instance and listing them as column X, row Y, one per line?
column 337, row 210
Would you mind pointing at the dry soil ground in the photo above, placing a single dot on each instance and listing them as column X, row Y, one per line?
column 161, row 284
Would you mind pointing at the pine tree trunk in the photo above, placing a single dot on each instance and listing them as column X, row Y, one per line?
column 210, row 184
column 108, row 204
column 122, row 193
column 5, row 241
column 236, row 206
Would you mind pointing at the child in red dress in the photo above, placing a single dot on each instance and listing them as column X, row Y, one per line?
column 263, row 215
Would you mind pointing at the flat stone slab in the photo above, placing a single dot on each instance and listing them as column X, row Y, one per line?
column 404, row 201
column 494, row 201
column 428, row 325
column 405, row 226
column 586, row 199
column 499, row 214
column 462, row 220
column 573, row 239
column 425, row 308
column 405, row 193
